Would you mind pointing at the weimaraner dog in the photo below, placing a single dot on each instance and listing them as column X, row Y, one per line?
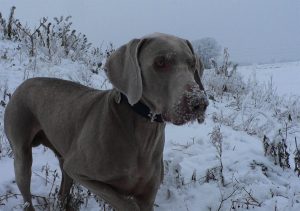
column 111, row 141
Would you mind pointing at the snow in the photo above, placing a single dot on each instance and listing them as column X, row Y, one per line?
column 250, row 177
column 285, row 76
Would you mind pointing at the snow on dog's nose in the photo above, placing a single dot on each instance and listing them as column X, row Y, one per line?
column 196, row 99
column 191, row 106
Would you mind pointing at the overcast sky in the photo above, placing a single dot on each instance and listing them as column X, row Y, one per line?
column 253, row 30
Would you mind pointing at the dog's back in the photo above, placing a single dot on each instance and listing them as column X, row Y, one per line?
column 40, row 98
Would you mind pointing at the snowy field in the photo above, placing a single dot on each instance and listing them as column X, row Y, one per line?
column 218, row 165
column 285, row 76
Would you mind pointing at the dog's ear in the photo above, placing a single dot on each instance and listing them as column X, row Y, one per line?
column 198, row 66
column 123, row 70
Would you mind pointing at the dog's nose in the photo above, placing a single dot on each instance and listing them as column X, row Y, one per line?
column 200, row 104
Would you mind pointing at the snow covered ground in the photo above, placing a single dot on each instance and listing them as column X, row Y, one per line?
column 285, row 76
column 192, row 164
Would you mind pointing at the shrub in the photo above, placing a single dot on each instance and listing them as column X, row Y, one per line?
column 208, row 49
column 224, row 79
column 52, row 41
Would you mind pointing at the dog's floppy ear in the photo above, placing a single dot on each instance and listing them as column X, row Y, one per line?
column 199, row 67
column 123, row 70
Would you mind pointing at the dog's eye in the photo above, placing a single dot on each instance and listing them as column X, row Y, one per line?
column 161, row 62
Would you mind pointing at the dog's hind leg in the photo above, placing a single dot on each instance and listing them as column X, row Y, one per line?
column 20, row 128
column 22, row 165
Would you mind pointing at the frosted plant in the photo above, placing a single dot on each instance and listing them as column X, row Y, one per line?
column 216, row 138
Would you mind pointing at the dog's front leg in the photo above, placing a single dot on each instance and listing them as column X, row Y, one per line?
column 117, row 200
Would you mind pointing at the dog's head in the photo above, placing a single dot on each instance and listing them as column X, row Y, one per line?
column 163, row 72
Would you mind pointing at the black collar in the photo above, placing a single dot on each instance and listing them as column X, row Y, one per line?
column 143, row 110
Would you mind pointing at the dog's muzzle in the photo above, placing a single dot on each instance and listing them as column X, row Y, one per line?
column 191, row 106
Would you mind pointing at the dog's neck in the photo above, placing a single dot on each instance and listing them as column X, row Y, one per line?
column 143, row 110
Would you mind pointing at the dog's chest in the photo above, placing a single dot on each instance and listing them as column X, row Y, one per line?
column 138, row 178
column 145, row 166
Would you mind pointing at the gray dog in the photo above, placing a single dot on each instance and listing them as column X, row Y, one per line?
column 110, row 141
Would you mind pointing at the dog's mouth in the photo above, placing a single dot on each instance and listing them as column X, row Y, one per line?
column 188, row 109
column 181, row 119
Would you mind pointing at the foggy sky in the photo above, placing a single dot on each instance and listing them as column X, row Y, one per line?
column 255, row 31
